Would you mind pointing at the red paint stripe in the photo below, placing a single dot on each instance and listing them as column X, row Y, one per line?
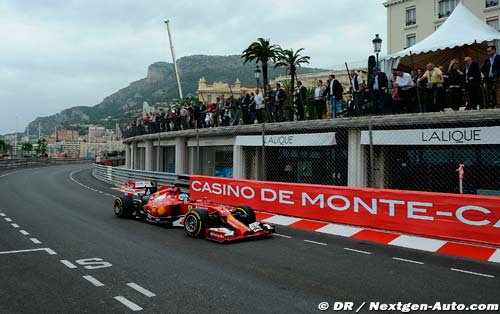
column 308, row 224
column 465, row 250
column 262, row 216
column 375, row 236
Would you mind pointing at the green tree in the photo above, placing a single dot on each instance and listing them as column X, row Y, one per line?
column 291, row 61
column 27, row 147
column 42, row 147
column 261, row 51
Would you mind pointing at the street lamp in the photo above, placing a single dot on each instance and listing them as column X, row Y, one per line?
column 377, row 45
column 257, row 75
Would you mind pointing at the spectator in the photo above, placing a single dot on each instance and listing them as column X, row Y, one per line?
column 219, row 105
column 301, row 98
column 472, row 83
column 252, row 108
column 245, row 108
column 491, row 72
column 225, row 114
column 236, row 107
column 269, row 98
column 259, row 106
column 351, row 107
column 455, row 79
column 378, row 86
column 279, row 100
column 358, row 87
column 404, row 84
column 319, row 99
column 434, row 88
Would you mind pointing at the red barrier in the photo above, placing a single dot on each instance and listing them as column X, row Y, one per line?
column 471, row 218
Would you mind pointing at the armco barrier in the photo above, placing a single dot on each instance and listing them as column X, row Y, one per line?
column 6, row 164
column 118, row 176
column 470, row 218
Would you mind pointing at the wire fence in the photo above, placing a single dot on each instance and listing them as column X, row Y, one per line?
column 420, row 152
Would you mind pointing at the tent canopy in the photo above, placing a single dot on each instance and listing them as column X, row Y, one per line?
column 462, row 34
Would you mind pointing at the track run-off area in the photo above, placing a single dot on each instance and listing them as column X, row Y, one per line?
column 62, row 250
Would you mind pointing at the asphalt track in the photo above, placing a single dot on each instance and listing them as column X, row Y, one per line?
column 67, row 219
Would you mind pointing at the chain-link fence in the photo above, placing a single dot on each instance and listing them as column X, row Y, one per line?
column 420, row 151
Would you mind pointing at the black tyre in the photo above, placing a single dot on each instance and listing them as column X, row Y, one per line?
column 196, row 222
column 245, row 214
column 123, row 206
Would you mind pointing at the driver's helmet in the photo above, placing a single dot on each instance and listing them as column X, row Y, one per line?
column 183, row 197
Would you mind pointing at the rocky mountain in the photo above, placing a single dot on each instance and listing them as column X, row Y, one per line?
column 159, row 85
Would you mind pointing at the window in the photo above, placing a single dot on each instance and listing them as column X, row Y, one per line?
column 209, row 98
column 491, row 3
column 446, row 7
column 411, row 16
column 493, row 22
column 411, row 40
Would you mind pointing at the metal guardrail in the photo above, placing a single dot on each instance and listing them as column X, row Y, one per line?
column 6, row 164
column 119, row 176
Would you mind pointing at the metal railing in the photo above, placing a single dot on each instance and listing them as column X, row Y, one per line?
column 6, row 164
column 119, row 176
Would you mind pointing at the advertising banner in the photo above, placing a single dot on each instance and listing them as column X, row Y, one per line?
column 470, row 218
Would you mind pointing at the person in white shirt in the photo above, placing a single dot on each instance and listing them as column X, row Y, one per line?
column 319, row 99
column 358, row 87
column 259, row 106
column 405, row 85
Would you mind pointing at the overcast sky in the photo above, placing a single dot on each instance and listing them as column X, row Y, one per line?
column 56, row 54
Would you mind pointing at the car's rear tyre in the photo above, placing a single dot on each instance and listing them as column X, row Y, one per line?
column 245, row 214
column 123, row 206
column 196, row 222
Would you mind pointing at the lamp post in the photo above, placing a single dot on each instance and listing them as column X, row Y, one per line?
column 377, row 45
column 257, row 75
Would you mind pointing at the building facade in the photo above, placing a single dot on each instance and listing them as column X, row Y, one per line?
column 208, row 93
column 410, row 21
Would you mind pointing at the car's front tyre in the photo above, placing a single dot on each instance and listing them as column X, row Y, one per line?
column 196, row 222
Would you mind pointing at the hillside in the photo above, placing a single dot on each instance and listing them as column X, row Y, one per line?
column 158, row 85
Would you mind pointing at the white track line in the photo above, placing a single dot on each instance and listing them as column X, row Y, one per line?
column 93, row 281
column 472, row 273
column 407, row 260
column 131, row 305
column 15, row 225
column 140, row 289
column 24, row 232
column 35, row 240
column 68, row 264
column 8, row 219
column 282, row 235
column 357, row 251
column 2, row 214
column 50, row 251
column 314, row 242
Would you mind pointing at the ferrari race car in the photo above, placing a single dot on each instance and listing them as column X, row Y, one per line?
column 200, row 218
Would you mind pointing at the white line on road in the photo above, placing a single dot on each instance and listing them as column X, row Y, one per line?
column 472, row 273
column 2, row 214
column 314, row 242
column 68, row 264
column 407, row 260
column 15, row 225
column 8, row 219
column 131, row 305
column 93, row 281
column 140, row 289
column 357, row 251
column 282, row 235
column 50, row 251
column 35, row 240
column 24, row 232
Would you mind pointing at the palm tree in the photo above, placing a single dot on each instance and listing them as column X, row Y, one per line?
column 291, row 60
column 261, row 51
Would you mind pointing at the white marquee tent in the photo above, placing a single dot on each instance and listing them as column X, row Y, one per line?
column 462, row 34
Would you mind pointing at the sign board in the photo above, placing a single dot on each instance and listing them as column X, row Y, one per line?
column 458, row 136
column 288, row 140
column 471, row 218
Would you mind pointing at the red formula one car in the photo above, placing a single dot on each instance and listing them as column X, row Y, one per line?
column 201, row 218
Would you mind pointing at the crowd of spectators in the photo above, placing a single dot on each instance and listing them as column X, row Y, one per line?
column 432, row 89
